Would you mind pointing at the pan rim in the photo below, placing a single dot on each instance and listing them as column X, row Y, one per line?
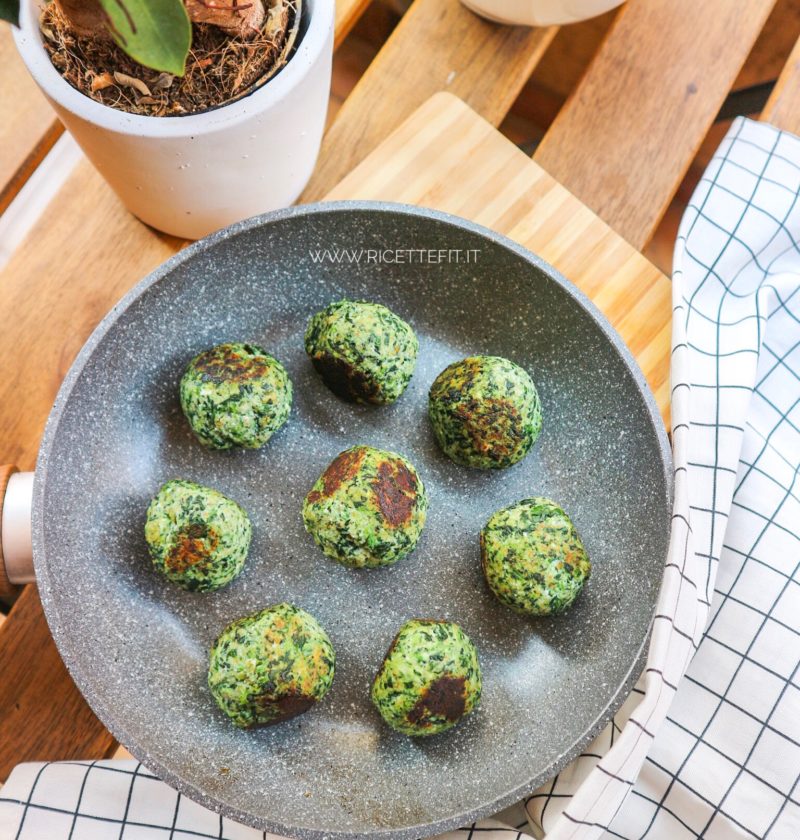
column 47, row 580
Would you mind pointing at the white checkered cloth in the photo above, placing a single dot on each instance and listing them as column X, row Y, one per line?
column 121, row 800
column 719, row 756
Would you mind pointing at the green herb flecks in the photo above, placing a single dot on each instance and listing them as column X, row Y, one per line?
column 235, row 395
column 363, row 351
column 429, row 680
column 271, row 666
column 197, row 537
column 367, row 509
column 533, row 559
column 485, row 412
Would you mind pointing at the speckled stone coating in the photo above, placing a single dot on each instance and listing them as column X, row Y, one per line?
column 270, row 666
column 197, row 537
column 485, row 412
column 429, row 679
column 367, row 509
column 116, row 433
column 235, row 394
column 362, row 350
column 532, row 557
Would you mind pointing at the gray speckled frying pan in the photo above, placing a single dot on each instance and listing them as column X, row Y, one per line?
column 137, row 645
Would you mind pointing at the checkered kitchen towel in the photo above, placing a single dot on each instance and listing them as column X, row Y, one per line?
column 719, row 757
column 712, row 751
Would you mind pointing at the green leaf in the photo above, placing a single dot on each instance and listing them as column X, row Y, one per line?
column 156, row 33
column 9, row 10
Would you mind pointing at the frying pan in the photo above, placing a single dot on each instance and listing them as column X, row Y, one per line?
column 137, row 646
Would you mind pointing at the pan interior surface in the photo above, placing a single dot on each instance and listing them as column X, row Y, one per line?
column 138, row 645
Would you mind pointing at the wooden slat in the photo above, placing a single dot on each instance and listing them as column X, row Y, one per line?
column 569, row 55
column 43, row 716
column 438, row 45
column 625, row 138
column 561, row 67
column 347, row 13
column 772, row 47
column 62, row 280
column 27, row 125
column 783, row 106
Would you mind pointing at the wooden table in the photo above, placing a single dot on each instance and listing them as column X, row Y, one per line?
column 418, row 127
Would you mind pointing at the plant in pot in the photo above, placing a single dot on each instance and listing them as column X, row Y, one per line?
column 198, row 113
column 540, row 12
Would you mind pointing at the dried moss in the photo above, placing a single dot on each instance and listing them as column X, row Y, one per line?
column 219, row 69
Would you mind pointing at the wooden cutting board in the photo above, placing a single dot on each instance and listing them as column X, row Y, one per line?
column 446, row 156
column 65, row 276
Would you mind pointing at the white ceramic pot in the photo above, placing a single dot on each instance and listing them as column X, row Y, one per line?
column 540, row 12
column 191, row 175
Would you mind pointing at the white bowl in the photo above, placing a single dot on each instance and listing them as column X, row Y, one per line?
column 540, row 12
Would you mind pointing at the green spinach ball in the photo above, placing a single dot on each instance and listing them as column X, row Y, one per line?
column 270, row 666
column 235, row 395
column 367, row 509
column 485, row 412
column 197, row 537
column 362, row 350
column 429, row 680
column 532, row 557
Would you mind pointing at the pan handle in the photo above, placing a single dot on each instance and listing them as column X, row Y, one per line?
column 16, row 555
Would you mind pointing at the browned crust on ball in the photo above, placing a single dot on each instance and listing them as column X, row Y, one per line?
column 191, row 548
column 344, row 467
column 494, row 426
column 290, row 705
column 445, row 697
column 229, row 366
column 344, row 380
column 484, row 557
column 395, row 492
